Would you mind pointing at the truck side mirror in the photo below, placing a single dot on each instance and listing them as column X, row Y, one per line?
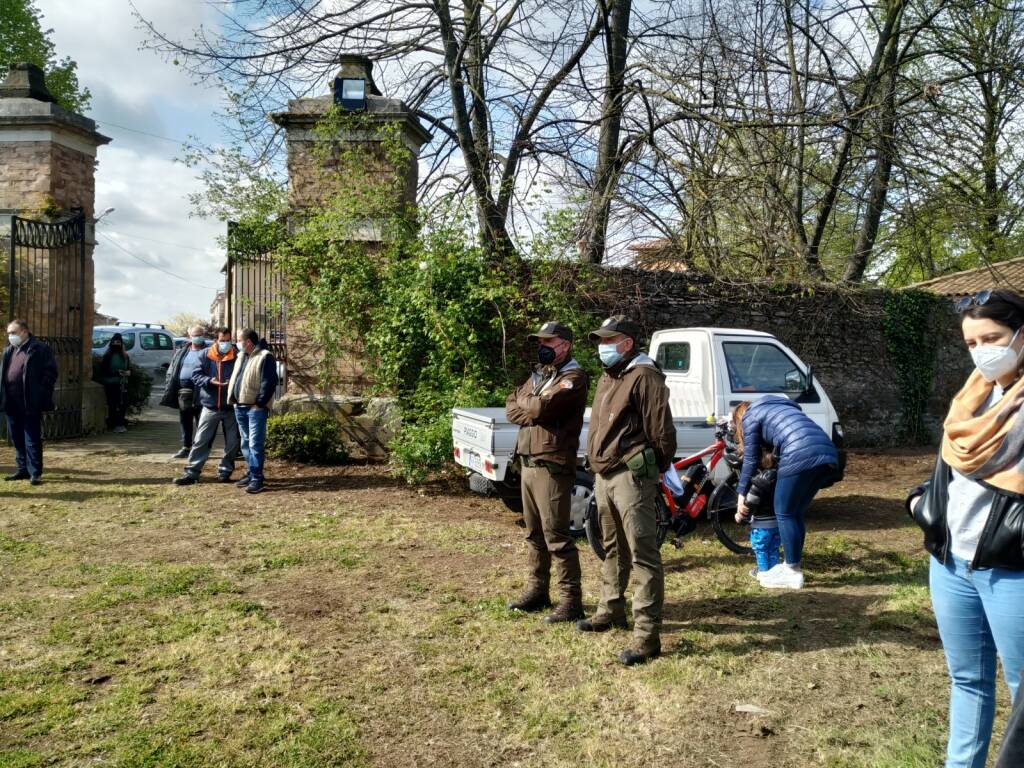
column 810, row 380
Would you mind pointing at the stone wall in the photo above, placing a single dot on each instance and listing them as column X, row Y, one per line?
column 837, row 331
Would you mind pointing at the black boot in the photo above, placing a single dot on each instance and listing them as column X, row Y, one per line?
column 641, row 653
column 534, row 599
column 569, row 609
column 601, row 622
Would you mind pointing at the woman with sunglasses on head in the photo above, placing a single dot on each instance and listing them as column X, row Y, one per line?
column 972, row 515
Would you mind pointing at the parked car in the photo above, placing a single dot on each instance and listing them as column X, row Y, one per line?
column 150, row 346
column 708, row 372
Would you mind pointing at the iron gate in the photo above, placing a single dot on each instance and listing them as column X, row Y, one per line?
column 46, row 287
column 255, row 294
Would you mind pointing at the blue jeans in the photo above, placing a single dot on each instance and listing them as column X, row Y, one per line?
column 980, row 615
column 793, row 495
column 252, row 428
column 26, row 431
column 765, row 543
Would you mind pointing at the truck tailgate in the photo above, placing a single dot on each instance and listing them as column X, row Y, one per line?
column 484, row 429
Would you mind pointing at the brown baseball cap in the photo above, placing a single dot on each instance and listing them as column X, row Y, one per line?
column 615, row 325
column 552, row 330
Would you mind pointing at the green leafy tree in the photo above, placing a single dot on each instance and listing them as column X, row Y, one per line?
column 23, row 39
column 181, row 322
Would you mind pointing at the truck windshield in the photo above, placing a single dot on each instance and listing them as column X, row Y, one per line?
column 759, row 367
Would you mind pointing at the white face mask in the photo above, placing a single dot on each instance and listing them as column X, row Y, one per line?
column 15, row 339
column 994, row 361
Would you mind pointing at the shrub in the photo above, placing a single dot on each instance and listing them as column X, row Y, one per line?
column 140, row 386
column 306, row 438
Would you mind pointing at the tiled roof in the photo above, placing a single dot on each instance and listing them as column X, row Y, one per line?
column 651, row 245
column 661, row 255
column 663, row 265
column 1003, row 274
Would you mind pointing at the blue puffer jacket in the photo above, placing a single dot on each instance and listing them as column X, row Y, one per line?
column 799, row 443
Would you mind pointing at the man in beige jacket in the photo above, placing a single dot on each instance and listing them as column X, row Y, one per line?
column 251, row 390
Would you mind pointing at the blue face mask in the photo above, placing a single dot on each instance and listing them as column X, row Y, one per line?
column 609, row 354
column 224, row 346
column 199, row 341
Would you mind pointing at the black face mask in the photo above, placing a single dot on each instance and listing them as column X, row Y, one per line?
column 545, row 355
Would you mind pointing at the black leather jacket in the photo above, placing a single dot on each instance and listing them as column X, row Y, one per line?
column 1002, row 541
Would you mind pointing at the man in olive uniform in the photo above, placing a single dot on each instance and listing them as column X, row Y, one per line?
column 631, row 440
column 549, row 407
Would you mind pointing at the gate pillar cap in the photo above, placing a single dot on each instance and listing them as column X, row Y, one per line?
column 25, row 81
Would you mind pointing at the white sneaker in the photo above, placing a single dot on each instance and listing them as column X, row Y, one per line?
column 782, row 576
column 120, row 430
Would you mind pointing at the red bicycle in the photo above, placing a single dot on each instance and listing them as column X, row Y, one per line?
column 678, row 512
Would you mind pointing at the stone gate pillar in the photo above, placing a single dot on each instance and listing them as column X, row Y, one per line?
column 48, row 163
column 353, row 90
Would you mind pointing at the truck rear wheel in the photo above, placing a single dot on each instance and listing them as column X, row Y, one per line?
column 582, row 492
column 582, row 497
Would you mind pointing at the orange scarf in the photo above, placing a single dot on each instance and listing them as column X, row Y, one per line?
column 990, row 445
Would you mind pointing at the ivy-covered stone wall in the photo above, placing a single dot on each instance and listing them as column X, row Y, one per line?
column 871, row 349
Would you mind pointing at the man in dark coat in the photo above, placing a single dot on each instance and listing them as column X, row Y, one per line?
column 179, row 391
column 28, row 375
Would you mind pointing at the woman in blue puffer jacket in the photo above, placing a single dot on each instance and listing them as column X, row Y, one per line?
column 807, row 461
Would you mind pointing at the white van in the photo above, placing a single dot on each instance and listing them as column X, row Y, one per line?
column 150, row 346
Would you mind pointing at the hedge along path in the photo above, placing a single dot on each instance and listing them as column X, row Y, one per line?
column 345, row 619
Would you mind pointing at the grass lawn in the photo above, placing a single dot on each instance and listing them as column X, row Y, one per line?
column 343, row 619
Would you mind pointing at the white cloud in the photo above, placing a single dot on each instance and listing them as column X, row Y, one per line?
column 137, row 175
column 151, row 222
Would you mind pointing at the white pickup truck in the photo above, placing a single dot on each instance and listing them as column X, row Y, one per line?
column 708, row 372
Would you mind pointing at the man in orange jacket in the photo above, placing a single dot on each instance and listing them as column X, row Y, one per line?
column 210, row 380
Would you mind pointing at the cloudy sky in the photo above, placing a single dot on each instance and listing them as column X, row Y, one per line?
column 146, row 105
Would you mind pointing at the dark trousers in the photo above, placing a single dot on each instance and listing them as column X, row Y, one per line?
column 26, row 432
column 188, row 420
column 1011, row 754
column 117, row 405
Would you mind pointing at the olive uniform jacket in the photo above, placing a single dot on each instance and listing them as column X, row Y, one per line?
column 630, row 413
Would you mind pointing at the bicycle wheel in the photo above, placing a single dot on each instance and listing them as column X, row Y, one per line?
column 592, row 524
column 722, row 511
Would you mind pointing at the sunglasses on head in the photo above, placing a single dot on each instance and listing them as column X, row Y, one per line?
column 977, row 300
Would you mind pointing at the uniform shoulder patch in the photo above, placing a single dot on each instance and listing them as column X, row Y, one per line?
column 567, row 384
